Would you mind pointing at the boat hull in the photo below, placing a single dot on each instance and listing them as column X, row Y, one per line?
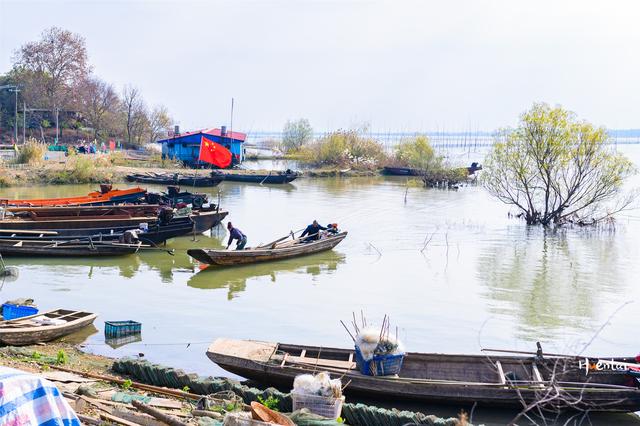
column 242, row 257
column 21, row 335
column 61, row 248
column 264, row 179
column 463, row 380
column 131, row 195
column 205, row 220
column 199, row 181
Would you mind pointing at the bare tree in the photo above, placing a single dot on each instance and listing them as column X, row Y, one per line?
column 556, row 169
column 135, row 115
column 56, row 63
column 296, row 134
column 98, row 102
column 159, row 123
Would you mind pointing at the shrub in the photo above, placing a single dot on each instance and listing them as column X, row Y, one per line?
column 32, row 152
column 417, row 153
column 79, row 169
column 345, row 148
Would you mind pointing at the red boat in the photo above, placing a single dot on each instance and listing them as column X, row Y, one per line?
column 105, row 196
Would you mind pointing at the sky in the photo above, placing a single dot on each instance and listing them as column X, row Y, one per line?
column 392, row 65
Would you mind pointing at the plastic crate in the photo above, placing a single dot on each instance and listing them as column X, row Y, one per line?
column 10, row 311
column 379, row 365
column 325, row 406
column 121, row 328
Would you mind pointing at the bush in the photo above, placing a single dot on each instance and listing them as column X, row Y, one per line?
column 32, row 152
column 79, row 169
column 6, row 179
column 417, row 153
column 345, row 148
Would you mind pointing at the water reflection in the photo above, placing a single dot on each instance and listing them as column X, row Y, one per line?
column 550, row 282
column 235, row 278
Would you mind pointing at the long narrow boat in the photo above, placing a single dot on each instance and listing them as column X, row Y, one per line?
column 273, row 177
column 176, row 179
column 77, row 247
column 106, row 195
column 274, row 251
column 501, row 381
column 43, row 327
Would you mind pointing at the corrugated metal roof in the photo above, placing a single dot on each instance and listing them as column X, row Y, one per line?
column 212, row 131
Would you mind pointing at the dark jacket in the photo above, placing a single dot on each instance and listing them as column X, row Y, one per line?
column 235, row 234
column 312, row 231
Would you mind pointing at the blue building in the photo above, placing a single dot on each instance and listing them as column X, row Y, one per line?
column 186, row 146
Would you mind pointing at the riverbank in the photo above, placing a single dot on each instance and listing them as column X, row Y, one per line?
column 96, row 386
column 88, row 171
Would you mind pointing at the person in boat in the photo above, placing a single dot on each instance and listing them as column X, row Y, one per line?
column 313, row 231
column 236, row 234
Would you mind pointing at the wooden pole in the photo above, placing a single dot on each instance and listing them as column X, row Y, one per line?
column 171, row 421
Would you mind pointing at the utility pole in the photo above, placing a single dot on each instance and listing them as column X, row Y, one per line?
column 57, row 128
column 24, row 122
column 14, row 88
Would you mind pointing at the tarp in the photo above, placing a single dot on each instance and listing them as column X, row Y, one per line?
column 214, row 153
column 26, row 399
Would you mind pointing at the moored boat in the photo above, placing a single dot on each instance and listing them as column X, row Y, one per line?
column 106, row 195
column 401, row 171
column 43, row 327
column 176, row 179
column 269, row 252
column 75, row 247
column 500, row 381
column 273, row 177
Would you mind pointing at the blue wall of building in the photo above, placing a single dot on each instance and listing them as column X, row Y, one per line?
column 187, row 148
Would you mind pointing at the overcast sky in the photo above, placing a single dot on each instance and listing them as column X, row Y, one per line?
column 403, row 66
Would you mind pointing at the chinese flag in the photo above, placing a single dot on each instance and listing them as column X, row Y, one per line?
column 214, row 153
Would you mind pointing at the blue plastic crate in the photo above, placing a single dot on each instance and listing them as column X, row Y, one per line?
column 121, row 328
column 379, row 365
column 10, row 311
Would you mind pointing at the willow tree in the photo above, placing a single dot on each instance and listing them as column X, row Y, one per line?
column 555, row 168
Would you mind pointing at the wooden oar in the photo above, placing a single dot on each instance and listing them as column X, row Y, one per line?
column 291, row 234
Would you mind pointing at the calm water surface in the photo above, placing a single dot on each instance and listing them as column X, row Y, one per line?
column 453, row 271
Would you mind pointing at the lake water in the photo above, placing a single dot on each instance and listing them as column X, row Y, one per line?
column 452, row 270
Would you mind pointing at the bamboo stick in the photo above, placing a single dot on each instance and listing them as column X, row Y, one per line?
column 171, row 421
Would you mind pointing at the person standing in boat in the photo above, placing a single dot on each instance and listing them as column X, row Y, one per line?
column 313, row 231
column 236, row 234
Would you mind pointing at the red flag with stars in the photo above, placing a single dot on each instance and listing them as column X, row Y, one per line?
column 214, row 153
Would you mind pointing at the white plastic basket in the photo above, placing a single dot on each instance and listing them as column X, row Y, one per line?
column 324, row 406
column 243, row 419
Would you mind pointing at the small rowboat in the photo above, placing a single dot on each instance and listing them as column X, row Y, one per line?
column 464, row 380
column 77, row 247
column 273, row 177
column 43, row 327
column 105, row 196
column 274, row 251
column 176, row 179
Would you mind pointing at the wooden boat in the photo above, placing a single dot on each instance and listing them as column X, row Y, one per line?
column 273, row 177
column 501, row 381
column 155, row 233
column 30, row 330
column 401, row 171
column 273, row 251
column 203, row 220
column 106, row 195
column 176, row 179
column 76, row 247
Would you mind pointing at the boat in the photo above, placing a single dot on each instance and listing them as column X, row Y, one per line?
column 401, row 171
column 105, row 196
column 176, row 179
column 75, row 247
column 273, row 177
column 277, row 250
column 77, row 221
column 43, row 327
column 500, row 381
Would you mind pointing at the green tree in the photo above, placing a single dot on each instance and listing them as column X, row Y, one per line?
column 418, row 153
column 296, row 134
column 555, row 168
